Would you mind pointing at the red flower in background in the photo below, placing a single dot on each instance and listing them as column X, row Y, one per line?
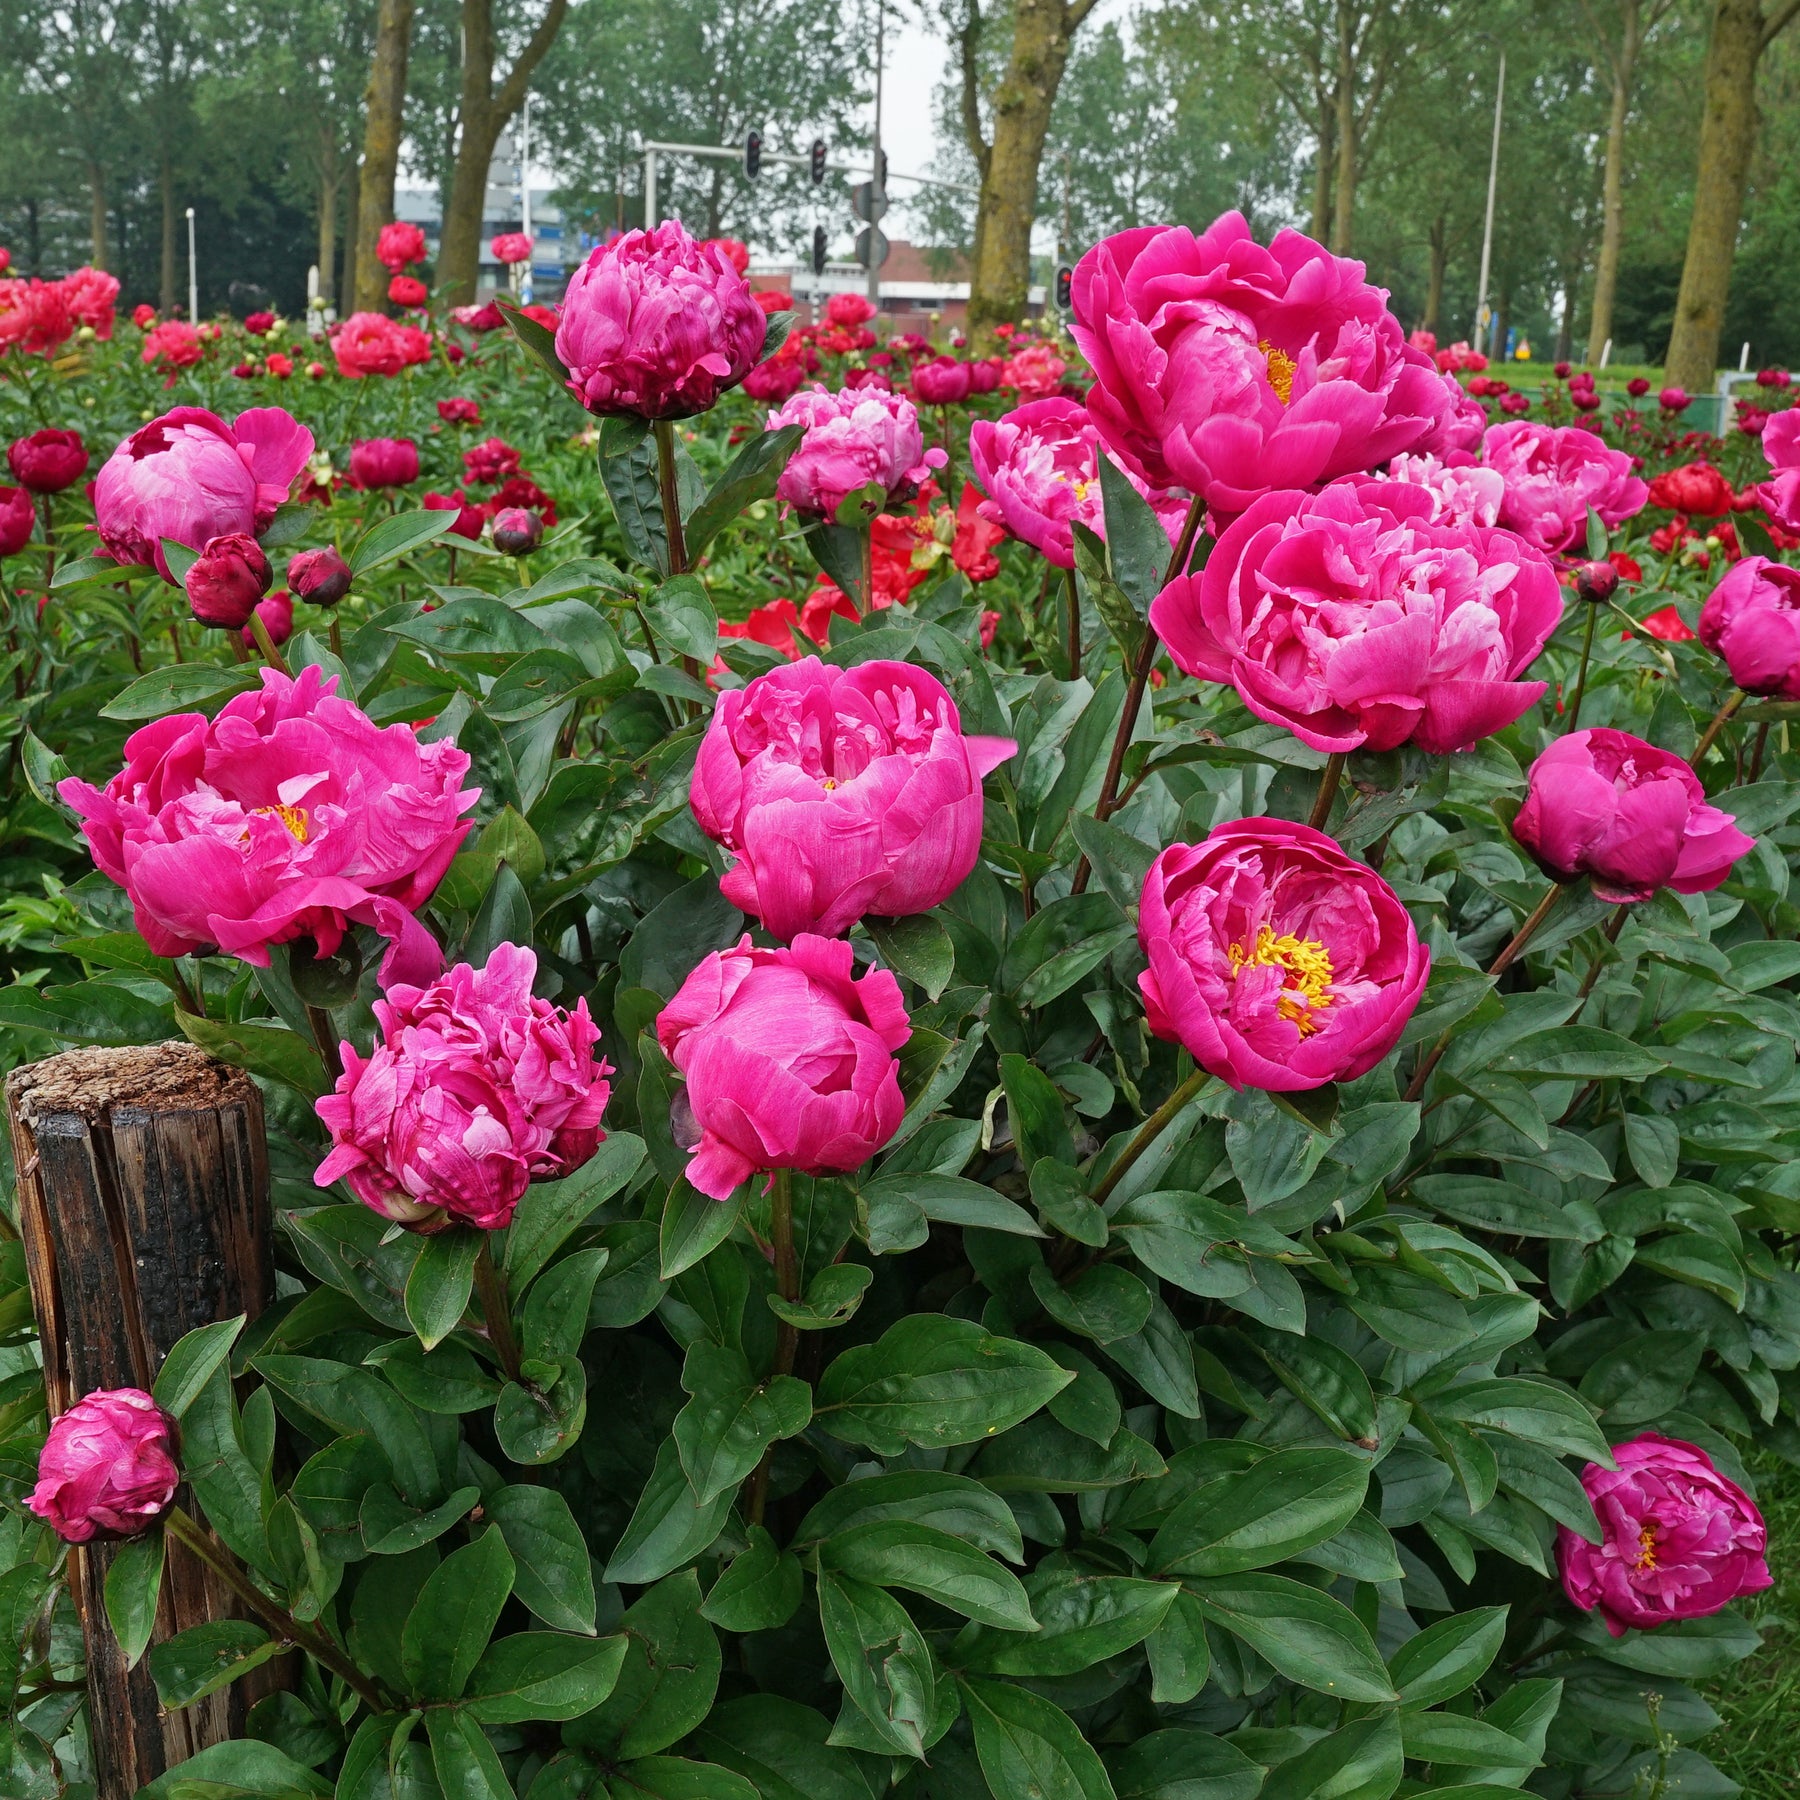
column 490, row 462
column 773, row 300
column 408, row 290
column 34, row 317
column 89, row 295
column 469, row 518
column 175, row 344
column 459, row 410
column 521, row 490
column 511, row 247
column 1666, row 624
column 399, row 244
column 1696, row 488
column 259, row 323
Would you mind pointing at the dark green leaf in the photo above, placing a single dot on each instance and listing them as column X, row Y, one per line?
column 1302, row 1633
column 448, row 1629
column 390, row 539
column 751, row 476
column 205, row 1658
column 190, row 1363
column 133, row 1586
column 1030, row 1749
column 180, row 687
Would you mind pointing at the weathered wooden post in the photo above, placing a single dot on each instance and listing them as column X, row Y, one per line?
column 144, row 1209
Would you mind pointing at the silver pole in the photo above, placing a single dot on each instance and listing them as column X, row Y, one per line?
column 193, row 275
column 525, row 197
column 649, row 190
column 1487, row 230
column 877, row 187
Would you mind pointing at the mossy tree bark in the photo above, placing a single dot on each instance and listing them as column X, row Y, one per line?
column 384, row 122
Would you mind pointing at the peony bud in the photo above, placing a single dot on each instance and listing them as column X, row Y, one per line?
column 321, row 577
column 1596, row 581
column 227, row 579
column 48, row 461
column 1637, row 387
column 16, row 520
column 107, row 1469
column 517, row 531
column 1673, row 399
column 277, row 615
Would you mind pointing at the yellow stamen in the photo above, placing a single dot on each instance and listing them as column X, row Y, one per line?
column 1307, row 966
column 1646, row 1558
column 829, row 783
column 293, row 817
column 1281, row 370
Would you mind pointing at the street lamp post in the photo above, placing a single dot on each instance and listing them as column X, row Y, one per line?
column 1487, row 230
column 877, row 181
column 193, row 275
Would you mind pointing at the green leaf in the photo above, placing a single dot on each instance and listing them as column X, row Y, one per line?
column 919, row 947
column 97, row 568
column 271, row 1051
column 205, row 1658
column 1063, row 943
column 1030, row 1749
column 832, row 1298
column 678, row 1778
column 933, row 1380
column 1036, row 1110
column 885, row 1665
column 540, row 341
column 751, row 476
column 901, row 1553
column 669, row 1526
column 1457, row 1741
column 190, row 1363
column 1449, row 1657
column 391, row 1528
column 484, row 634
column 556, row 1311
column 1503, row 1207
column 952, row 1503
column 1301, row 1633
column 133, row 1586
column 1578, row 1053
column 356, row 1401
column 1104, row 1303
column 43, row 769
column 666, row 1686
column 1179, row 1654
column 1185, row 1765
column 454, row 1616
column 505, row 918
column 542, row 1675
column 86, row 1012
column 732, row 1418
column 947, row 1198
column 1282, row 1505
column 758, row 1590
column 1061, row 1197
column 693, row 1226
column 463, row 1760
column 1084, row 1618
column 1529, row 1407
column 1363, row 1760
column 1654, row 1145
column 552, row 1211
column 442, row 1278
column 682, row 616
column 628, row 473
column 551, row 1571
column 238, row 1767
column 539, row 1423
column 390, row 539
column 1326, row 1379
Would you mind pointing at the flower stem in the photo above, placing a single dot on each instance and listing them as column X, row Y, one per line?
column 266, row 644
column 1587, row 649
column 1498, row 966
column 490, row 1284
column 200, row 1543
column 1762, row 744
column 865, row 601
column 787, row 1339
column 1074, row 594
column 1720, row 719
column 337, row 639
column 1614, row 926
column 1329, row 777
column 325, row 1036
column 1151, row 1129
column 671, row 495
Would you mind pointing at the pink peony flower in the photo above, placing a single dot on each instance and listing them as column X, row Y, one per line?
column 1679, row 1540
column 227, row 579
column 384, row 463
column 107, row 1469
column 1673, row 399
column 1605, row 804
column 1354, row 618
column 48, row 461
column 775, row 380
column 289, row 815
column 398, row 244
column 1462, row 491
column 510, row 247
column 847, row 311
column 517, row 530
column 475, row 1090
column 370, row 343
column 1752, row 620
column 842, row 792
column 788, row 1057
column 1553, row 474
column 656, row 325
column 17, row 517
column 189, row 477
column 34, row 317
column 485, row 317
column 1231, row 369
column 1780, row 498
column 175, row 344
column 1278, row 961
column 1040, row 467
column 863, row 446
column 89, row 295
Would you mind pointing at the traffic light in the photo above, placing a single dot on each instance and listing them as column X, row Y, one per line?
column 818, row 249
column 1065, row 284
column 752, row 153
column 818, row 161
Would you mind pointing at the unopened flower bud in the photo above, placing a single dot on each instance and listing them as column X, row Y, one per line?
column 517, row 531
column 321, row 577
column 230, row 575
column 1595, row 582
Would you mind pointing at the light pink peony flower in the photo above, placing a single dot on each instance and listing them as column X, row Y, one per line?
column 1679, row 1540
column 1462, row 491
column 1232, row 369
column 1277, row 960
column 107, row 1469
column 1040, row 465
column 656, row 325
column 1354, row 618
column 289, row 815
column 1553, row 474
column 841, row 792
column 863, row 442
column 1780, row 497
column 189, row 477
column 788, row 1057
column 476, row 1090
column 1752, row 620
column 1605, row 804
column 89, row 295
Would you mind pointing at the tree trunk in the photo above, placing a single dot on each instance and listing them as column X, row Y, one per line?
column 1439, row 241
column 97, row 214
column 330, row 176
column 1727, row 139
column 484, row 115
column 34, row 238
column 1612, row 230
column 143, row 1212
column 384, row 119
column 353, row 214
column 166, row 290
column 1000, row 280
column 1344, row 201
column 1322, row 161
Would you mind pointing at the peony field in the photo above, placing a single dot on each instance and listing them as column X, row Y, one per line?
column 756, row 1056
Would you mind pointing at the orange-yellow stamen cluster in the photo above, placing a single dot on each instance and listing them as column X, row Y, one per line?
column 1281, row 370
column 293, row 817
column 1646, row 1558
column 1306, row 965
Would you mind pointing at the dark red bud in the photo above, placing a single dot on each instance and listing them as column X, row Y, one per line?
column 227, row 579
column 321, row 577
column 1596, row 582
column 517, row 531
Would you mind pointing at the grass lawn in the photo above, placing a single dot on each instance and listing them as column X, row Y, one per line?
column 1759, row 1743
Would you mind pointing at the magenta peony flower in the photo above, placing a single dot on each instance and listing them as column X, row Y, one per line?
column 476, row 1090
column 321, row 577
column 289, row 815
column 189, row 477
column 1780, row 498
column 227, row 579
column 1462, row 491
column 1040, row 467
column 656, row 325
column 1674, row 399
column 841, row 792
column 48, row 461
column 1752, row 620
column 944, row 381
column 1553, row 474
column 17, row 517
column 1277, row 960
column 1355, row 619
column 1679, row 1541
column 398, row 244
column 861, row 444
column 1605, row 804
column 384, row 463
column 107, row 1469
column 1231, row 370
column 789, row 1060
